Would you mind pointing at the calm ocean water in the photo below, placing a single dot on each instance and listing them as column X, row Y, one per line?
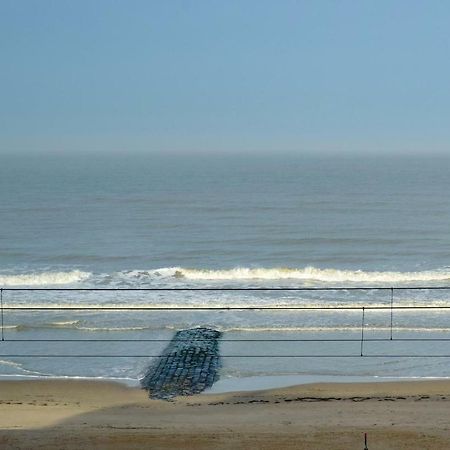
column 236, row 221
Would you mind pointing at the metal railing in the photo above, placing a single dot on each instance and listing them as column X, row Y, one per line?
column 362, row 339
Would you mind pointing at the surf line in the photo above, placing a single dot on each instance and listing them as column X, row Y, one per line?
column 187, row 366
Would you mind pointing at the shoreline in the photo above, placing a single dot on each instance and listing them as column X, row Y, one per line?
column 70, row 414
column 231, row 384
column 271, row 382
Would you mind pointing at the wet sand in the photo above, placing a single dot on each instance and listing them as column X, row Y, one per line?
column 56, row 414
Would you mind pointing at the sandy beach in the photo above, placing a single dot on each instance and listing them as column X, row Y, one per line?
column 56, row 414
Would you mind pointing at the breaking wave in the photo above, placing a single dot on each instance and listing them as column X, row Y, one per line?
column 164, row 277
column 311, row 274
column 43, row 278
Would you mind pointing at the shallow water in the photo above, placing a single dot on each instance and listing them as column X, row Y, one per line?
column 236, row 222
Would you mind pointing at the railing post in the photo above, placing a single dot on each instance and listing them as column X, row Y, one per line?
column 1, row 308
column 392, row 308
column 362, row 331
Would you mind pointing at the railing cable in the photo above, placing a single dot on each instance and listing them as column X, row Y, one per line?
column 112, row 308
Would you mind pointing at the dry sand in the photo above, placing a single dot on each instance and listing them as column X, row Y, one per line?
column 99, row 415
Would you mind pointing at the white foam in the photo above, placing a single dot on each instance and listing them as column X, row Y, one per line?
column 311, row 274
column 75, row 325
column 65, row 324
column 10, row 363
column 331, row 328
column 43, row 278
column 163, row 275
column 116, row 328
column 18, row 366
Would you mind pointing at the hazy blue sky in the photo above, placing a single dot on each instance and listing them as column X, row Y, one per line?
column 225, row 75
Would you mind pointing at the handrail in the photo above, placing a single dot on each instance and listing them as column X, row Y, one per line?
column 211, row 308
column 340, row 288
column 364, row 309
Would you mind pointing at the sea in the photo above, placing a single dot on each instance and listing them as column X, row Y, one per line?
column 268, row 238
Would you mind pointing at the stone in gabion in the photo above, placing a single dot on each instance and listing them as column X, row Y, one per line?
column 188, row 365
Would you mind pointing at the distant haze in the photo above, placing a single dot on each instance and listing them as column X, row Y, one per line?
column 209, row 76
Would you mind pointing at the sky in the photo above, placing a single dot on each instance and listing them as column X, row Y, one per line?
column 225, row 76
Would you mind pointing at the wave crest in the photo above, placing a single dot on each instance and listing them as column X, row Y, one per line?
column 165, row 274
column 43, row 278
column 311, row 274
